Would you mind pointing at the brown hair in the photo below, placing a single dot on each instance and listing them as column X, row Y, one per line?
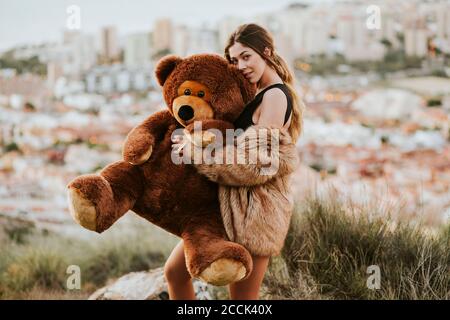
column 257, row 38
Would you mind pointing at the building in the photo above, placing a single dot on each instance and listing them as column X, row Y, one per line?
column 184, row 40
column 118, row 79
column 109, row 51
column 225, row 28
column 137, row 50
column 358, row 42
column 443, row 21
column 307, row 30
column 54, row 72
column 163, row 36
column 388, row 28
column 416, row 37
column 80, row 53
column 181, row 38
column 202, row 40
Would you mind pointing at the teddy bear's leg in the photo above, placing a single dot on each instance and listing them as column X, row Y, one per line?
column 213, row 259
column 96, row 201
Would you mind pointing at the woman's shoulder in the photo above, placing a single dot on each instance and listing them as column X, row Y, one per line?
column 270, row 114
column 276, row 93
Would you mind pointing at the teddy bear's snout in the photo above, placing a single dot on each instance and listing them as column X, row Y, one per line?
column 186, row 112
column 190, row 105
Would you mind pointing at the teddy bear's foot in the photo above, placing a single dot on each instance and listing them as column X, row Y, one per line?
column 82, row 210
column 89, row 198
column 223, row 271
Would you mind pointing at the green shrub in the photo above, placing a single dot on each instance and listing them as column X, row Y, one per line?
column 329, row 251
column 434, row 102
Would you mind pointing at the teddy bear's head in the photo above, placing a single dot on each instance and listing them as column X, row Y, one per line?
column 203, row 86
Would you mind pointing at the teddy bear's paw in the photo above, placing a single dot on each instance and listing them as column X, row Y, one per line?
column 140, row 159
column 223, row 271
column 207, row 138
column 201, row 139
column 82, row 210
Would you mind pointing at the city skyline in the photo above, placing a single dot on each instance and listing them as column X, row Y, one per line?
column 19, row 25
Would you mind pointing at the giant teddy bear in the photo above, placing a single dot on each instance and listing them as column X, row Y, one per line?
column 173, row 196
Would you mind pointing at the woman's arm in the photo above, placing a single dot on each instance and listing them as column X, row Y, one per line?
column 259, row 154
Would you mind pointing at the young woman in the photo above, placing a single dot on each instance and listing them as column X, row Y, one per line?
column 251, row 49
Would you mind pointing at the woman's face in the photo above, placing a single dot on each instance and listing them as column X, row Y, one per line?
column 248, row 61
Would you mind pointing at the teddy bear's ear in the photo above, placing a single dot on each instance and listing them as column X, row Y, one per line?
column 165, row 67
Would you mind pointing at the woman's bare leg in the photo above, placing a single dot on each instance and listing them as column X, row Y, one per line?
column 248, row 289
column 178, row 278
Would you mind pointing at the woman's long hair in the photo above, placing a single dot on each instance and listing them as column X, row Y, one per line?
column 256, row 37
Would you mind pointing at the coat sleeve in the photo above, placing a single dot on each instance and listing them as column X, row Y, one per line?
column 258, row 155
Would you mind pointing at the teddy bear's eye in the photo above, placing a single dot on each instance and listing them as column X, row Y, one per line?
column 187, row 92
column 201, row 94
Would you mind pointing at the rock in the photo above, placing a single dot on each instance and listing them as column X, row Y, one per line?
column 146, row 285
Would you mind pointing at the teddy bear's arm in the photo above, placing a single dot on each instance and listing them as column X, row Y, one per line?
column 139, row 144
column 261, row 159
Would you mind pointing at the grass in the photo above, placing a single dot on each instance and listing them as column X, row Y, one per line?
column 34, row 265
column 329, row 248
column 326, row 255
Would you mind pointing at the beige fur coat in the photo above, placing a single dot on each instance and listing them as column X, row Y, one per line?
column 255, row 198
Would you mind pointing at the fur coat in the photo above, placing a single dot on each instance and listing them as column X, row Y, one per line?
column 255, row 198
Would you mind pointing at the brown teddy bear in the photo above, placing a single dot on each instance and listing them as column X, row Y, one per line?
column 173, row 196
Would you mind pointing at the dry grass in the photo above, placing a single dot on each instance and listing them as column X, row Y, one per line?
column 326, row 255
column 34, row 266
column 328, row 251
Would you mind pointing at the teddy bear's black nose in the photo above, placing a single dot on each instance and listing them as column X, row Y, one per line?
column 186, row 112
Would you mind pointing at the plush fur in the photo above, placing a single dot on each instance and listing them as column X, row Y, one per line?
column 256, row 208
column 173, row 196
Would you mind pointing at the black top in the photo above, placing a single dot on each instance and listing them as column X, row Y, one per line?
column 245, row 118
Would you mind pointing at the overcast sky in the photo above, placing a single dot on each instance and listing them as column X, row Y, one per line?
column 29, row 22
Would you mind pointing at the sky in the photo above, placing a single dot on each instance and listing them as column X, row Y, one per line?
column 32, row 22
